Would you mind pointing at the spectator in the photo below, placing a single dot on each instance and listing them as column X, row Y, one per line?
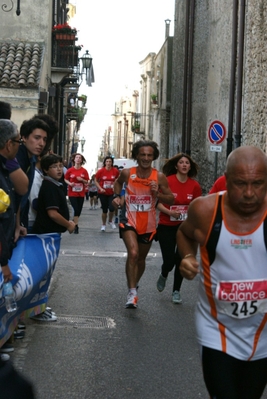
column 34, row 133
column 9, row 144
column 52, row 209
column 17, row 176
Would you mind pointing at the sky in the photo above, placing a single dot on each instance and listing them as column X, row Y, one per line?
column 118, row 34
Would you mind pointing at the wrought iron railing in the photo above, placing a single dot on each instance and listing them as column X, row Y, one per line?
column 64, row 51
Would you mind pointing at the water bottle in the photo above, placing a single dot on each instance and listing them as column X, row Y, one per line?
column 9, row 295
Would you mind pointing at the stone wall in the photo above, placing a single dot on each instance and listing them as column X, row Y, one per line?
column 255, row 75
column 212, row 46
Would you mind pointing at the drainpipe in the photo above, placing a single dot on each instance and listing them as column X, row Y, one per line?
column 238, row 134
column 185, row 74
column 232, row 79
column 190, row 72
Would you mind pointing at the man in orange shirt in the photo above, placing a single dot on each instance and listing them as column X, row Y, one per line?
column 144, row 188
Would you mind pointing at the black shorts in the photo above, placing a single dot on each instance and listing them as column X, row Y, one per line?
column 77, row 204
column 92, row 194
column 146, row 238
column 229, row 378
column 106, row 203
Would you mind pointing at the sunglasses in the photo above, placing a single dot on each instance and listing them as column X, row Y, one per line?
column 20, row 141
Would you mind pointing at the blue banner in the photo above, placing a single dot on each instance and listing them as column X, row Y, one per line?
column 32, row 264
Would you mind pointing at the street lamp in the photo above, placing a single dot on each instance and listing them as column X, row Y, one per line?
column 86, row 65
column 83, row 141
column 86, row 61
column 167, row 28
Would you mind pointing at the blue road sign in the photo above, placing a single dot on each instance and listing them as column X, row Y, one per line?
column 217, row 132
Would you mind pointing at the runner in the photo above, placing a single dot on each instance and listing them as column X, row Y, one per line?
column 180, row 171
column 231, row 316
column 76, row 178
column 104, row 180
column 144, row 187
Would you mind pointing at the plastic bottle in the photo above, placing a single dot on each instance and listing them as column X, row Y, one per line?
column 9, row 295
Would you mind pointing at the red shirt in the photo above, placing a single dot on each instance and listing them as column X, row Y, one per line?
column 219, row 185
column 78, row 190
column 183, row 193
column 106, row 179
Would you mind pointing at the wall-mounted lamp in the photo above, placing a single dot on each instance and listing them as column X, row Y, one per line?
column 83, row 141
column 6, row 9
column 167, row 28
column 87, row 68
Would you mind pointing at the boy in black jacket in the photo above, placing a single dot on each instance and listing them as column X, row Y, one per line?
column 52, row 209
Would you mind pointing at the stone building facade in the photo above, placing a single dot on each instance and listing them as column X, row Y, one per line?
column 219, row 73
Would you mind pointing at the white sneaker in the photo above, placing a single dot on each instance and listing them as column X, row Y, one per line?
column 112, row 225
column 4, row 357
column 45, row 316
column 131, row 301
column 103, row 228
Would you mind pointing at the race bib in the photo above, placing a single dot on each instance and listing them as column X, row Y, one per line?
column 77, row 188
column 242, row 299
column 140, row 203
column 182, row 209
column 108, row 184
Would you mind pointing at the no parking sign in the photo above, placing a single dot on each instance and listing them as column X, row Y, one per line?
column 217, row 132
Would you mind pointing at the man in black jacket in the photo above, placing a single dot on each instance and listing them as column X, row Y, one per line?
column 9, row 144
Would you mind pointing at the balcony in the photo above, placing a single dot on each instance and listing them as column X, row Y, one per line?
column 76, row 113
column 64, row 51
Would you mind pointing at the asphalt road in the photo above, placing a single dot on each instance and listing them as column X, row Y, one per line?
column 97, row 349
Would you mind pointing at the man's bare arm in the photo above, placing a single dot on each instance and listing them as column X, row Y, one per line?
column 164, row 195
column 123, row 178
column 192, row 232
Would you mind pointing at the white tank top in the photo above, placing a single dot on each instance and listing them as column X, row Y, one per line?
column 231, row 313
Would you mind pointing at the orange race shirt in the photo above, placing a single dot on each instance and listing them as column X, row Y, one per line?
column 140, row 203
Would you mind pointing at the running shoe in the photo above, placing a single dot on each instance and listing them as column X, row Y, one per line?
column 19, row 334
column 161, row 283
column 131, row 301
column 21, row 325
column 103, row 228
column 48, row 309
column 45, row 316
column 116, row 220
column 4, row 357
column 7, row 348
column 112, row 225
column 176, row 297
